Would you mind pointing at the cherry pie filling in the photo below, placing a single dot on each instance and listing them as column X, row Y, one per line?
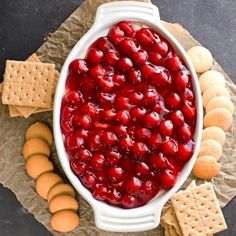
column 128, row 116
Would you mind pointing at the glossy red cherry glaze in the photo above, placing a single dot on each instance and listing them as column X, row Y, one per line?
column 128, row 116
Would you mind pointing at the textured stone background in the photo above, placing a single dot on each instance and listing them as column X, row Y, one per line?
column 24, row 25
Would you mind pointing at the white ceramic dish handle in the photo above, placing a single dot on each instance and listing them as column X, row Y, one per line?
column 147, row 218
column 118, row 11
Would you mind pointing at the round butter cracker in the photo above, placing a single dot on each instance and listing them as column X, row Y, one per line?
column 219, row 117
column 45, row 182
column 210, row 147
column 60, row 189
column 39, row 130
column 210, row 78
column 206, row 167
column 37, row 165
column 201, row 58
column 215, row 133
column 222, row 102
column 64, row 221
column 35, row 146
column 212, row 92
column 63, row 202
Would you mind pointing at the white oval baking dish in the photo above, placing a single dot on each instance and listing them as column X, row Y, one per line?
column 108, row 217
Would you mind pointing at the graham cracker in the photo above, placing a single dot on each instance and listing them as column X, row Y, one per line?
column 27, row 111
column 169, row 218
column 198, row 211
column 28, row 84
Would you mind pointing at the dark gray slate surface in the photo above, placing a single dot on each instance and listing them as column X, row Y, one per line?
column 24, row 25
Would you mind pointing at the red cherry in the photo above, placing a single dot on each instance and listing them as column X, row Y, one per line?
column 78, row 66
column 82, row 133
column 89, row 180
column 172, row 100
column 105, row 98
column 96, row 72
column 161, row 79
column 137, row 113
column 185, row 151
column 111, row 58
column 94, row 56
column 116, row 35
column 167, row 179
column 177, row 118
column 108, row 115
column 132, row 185
column 187, row 95
column 126, row 144
column 140, row 149
column 120, row 131
column 150, row 96
column 139, row 57
column 155, row 58
column 166, row 127
column 112, row 158
column 134, row 76
column 151, row 119
column 174, row 63
column 127, row 47
column 141, row 168
column 109, row 138
column 88, row 84
column 185, row 132
column 123, row 116
column 94, row 142
column 82, row 120
column 83, row 155
column 155, row 141
column 136, row 97
column 115, row 174
column 73, row 142
column 105, row 84
column 78, row 167
column 124, row 64
column 169, row 147
column 103, row 44
column 97, row 161
column 162, row 48
column 66, row 113
column 73, row 97
column 127, row 27
column 181, row 80
column 100, row 193
column 148, row 188
column 114, row 197
column 143, row 134
column 188, row 111
column 158, row 161
column 89, row 109
column 118, row 80
column 128, row 201
column 148, row 70
column 66, row 127
column 145, row 37
column 159, row 107
column 122, row 102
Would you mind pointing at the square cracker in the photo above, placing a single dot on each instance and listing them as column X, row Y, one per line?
column 28, row 84
column 26, row 111
column 169, row 217
column 198, row 211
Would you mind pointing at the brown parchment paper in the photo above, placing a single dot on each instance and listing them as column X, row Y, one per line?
column 12, row 173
